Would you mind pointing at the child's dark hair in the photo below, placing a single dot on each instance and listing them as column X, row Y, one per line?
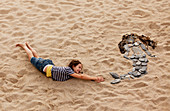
column 74, row 63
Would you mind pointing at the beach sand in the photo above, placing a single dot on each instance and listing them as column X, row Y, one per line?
column 88, row 30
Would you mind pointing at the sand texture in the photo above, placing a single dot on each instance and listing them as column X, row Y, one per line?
column 88, row 30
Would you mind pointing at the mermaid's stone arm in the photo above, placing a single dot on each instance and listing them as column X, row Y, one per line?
column 144, row 48
column 127, row 51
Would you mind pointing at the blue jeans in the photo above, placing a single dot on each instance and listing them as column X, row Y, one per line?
column 40, row 63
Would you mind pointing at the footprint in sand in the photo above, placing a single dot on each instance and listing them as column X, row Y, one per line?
column 140, row 84
column 21, row 73
column 140, row 13
column 12, row 79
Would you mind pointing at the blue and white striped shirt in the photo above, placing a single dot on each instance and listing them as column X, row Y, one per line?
column 61, row 73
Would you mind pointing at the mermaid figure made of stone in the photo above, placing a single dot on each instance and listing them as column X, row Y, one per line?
column 138, row 45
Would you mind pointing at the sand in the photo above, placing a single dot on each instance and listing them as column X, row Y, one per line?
column 88, row 30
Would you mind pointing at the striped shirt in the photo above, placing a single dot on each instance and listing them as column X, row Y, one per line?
column 61, row 73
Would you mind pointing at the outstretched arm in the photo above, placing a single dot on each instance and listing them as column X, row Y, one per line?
column 86, row 77
column 145, row 49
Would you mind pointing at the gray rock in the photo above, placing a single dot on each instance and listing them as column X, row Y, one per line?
column 135, row 60
column 144, row 55
column 132, row 57
column 130, row 73
column 136, row 74
column 142, row 59
column 114, row 75
column 115, row 81
column 132, row 76
column 138, row 63
column 137, row 67
column 146, row 60
column 134, row 64
column 123, row 76
column 144, row 64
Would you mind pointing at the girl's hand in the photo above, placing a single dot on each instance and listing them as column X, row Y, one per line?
column 99, row 79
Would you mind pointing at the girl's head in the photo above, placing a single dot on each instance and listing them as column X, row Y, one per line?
column 129, row 37
column 76, row 66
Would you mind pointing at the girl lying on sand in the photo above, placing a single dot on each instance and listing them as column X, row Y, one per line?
column 47, row 67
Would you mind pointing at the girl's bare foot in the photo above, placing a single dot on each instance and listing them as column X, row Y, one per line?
column 29, row 47
column 27, row 50
column 20, row 45
column 32, row 50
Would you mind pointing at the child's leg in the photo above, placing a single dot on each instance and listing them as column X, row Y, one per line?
column 32, row 50
column 28, row 51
